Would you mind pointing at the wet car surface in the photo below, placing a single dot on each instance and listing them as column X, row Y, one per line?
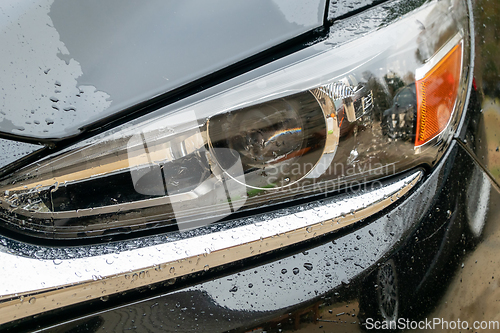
column 427, row 251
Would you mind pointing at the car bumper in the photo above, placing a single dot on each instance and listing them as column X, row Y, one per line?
column 422, row 234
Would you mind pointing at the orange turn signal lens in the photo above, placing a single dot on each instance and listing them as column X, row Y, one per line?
column 437, row 94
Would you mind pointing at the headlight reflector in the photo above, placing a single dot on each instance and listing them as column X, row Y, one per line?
column 273, row 138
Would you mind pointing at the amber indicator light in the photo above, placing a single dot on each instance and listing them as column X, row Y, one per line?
column 436, row 96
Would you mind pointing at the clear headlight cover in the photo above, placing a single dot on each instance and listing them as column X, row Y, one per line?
column 347, row 116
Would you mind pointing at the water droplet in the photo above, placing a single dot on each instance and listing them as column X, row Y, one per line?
column 104, row 298
column 308, row 266
column 55, row 188
column 172, row 270
column 57, row 261
column 448, row 213
column 283, row 271
column 131, row 246
column 39, row 254
column 206, row 268
column 233, row 289
column 32, row 300
column 250, row 285
column 109, row 261
column 170, row 282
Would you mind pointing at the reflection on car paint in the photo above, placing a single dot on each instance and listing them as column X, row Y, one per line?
column 39, row 75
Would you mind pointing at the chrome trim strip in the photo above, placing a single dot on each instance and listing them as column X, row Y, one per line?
column 34, row 285
column 126, row 206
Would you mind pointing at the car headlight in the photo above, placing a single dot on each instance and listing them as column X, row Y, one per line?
column 334, row 120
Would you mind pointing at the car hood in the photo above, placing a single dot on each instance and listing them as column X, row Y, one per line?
column 69, row 63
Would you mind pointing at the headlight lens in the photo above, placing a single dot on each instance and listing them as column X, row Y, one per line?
column 270, row 139
column 345, row 117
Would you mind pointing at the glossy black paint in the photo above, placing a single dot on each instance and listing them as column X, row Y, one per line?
column 339, row 9
column 13, row 151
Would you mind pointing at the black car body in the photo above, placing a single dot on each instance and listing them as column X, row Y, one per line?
column 148, row 177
